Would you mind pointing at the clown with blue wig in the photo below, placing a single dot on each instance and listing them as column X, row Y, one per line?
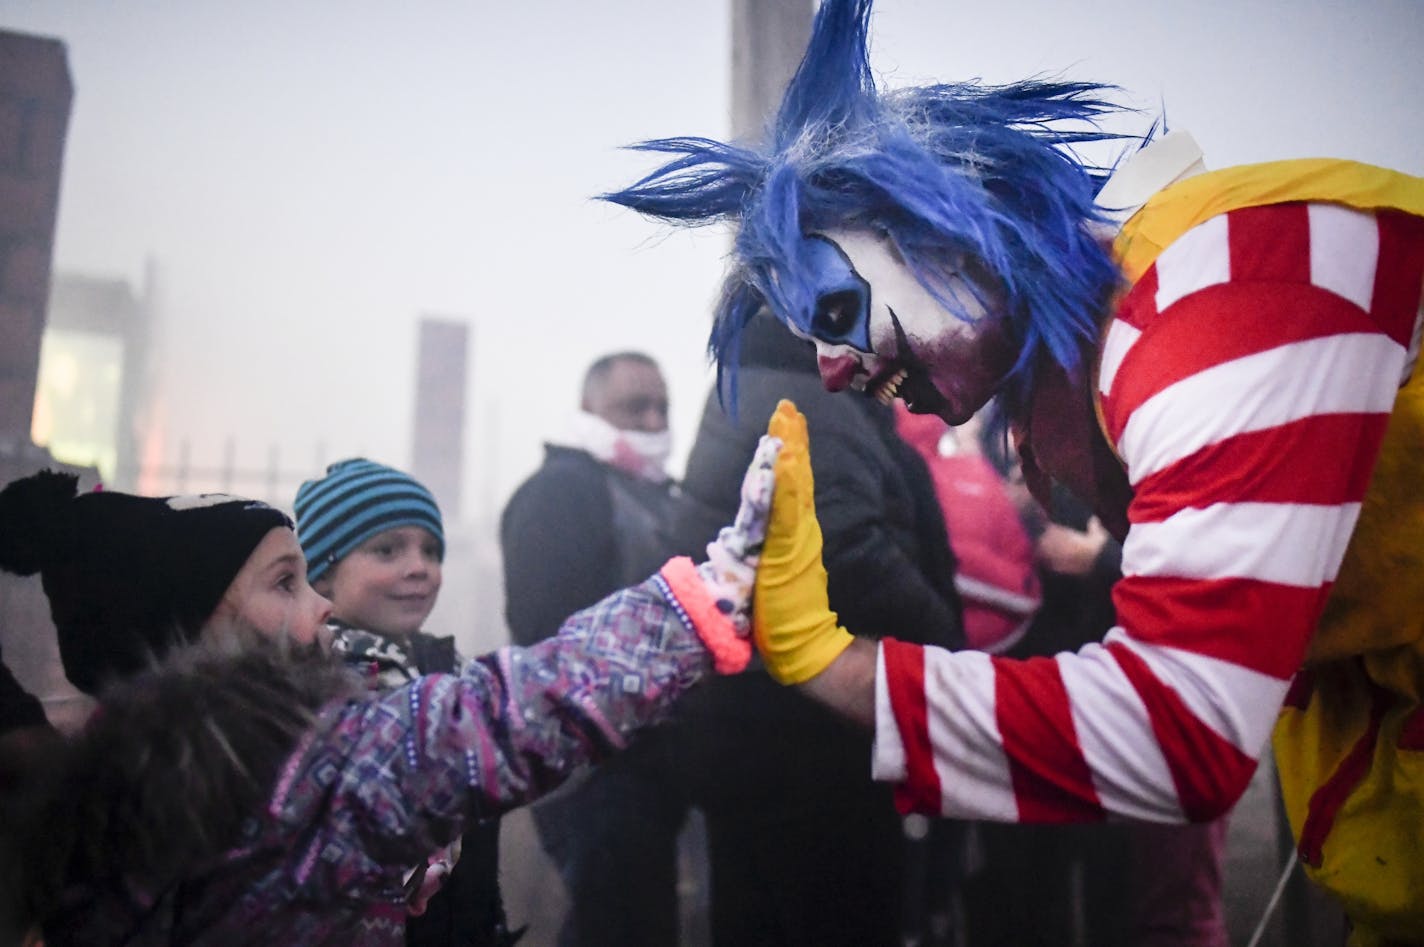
column 1223, row 364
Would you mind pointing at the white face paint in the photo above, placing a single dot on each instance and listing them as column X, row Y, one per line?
column 938, row 361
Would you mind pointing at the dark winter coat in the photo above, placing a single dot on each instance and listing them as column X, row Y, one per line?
column 575, row 531
column 806, row 850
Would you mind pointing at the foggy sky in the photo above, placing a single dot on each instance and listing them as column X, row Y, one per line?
column 311, row 177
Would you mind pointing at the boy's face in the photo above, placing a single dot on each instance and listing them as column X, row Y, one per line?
column 270, row 593
column 388, row 584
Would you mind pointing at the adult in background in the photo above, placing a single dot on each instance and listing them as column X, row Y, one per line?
column 593, row 516
column 805, row 849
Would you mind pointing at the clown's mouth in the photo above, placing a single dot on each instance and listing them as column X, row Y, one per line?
column 906, row 377
column 910, row 385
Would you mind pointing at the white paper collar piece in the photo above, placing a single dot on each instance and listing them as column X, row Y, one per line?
column 1169, row 159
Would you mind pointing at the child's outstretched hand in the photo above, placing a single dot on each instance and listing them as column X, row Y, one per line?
column 795, row 630
column 730, row 570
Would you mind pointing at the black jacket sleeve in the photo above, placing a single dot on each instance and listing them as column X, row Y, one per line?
column 874, row 558
column 560, row 556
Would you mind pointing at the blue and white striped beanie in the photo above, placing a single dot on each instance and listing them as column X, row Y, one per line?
column 357, row 499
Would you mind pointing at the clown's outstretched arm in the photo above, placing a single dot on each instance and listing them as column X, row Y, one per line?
column 964, row 734
column 1239, row 528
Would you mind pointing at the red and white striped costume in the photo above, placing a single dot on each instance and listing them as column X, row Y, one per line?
column 1246, row 381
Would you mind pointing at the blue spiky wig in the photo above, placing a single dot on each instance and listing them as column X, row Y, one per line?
column 941, row 170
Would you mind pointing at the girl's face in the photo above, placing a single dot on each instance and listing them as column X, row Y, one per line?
column 270, row 594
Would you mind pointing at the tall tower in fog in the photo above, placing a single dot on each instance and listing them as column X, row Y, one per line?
column 437, row 452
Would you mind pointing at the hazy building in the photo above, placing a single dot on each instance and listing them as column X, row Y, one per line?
column 92, row 400
column 35, row 96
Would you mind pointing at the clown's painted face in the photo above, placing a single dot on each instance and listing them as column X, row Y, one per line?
column 877, row 329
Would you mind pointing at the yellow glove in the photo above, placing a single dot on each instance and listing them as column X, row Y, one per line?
column 795, row 629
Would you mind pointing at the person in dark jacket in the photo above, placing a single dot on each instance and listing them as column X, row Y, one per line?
column 804, row 849
column 593, row 515
column 595, row 511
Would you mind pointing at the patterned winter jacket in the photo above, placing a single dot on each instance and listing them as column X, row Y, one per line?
column 377, row 782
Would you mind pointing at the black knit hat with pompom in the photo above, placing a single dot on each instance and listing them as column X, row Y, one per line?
column 127, row 577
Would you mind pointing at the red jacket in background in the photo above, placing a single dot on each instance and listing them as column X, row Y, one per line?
column 997, row 578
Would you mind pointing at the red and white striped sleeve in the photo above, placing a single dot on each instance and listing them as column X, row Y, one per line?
column 1246, row 379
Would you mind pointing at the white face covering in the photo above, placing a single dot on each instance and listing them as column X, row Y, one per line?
column 642, row 454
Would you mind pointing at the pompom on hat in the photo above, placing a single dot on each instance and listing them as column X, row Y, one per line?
column 357, row 499
column 127, row 577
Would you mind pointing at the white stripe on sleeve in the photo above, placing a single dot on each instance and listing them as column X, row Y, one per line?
column 1118, row 343
column 1348, row 373
column 1130, row 773
column 1199, row 258
column 887, row 757
column 1224, row 696
column 1287, row 543
column 1344, row 251
column 964, row 733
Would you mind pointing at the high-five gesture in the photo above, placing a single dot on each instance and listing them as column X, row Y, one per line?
column 796, row 631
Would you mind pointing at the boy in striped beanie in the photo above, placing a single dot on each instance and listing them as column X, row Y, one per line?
column 374, row 543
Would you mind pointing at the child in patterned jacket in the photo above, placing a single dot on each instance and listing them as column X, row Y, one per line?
column 248, row 788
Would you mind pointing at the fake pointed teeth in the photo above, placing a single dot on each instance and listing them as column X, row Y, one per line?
column 886, row 392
